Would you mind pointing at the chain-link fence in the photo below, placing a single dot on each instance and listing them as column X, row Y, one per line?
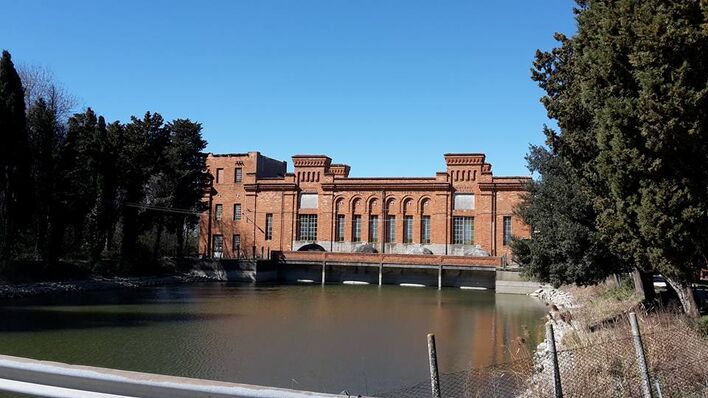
column 602, row 363
column 497, row 381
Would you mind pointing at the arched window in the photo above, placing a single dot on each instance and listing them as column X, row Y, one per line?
column 408, row 207
column 391, row 206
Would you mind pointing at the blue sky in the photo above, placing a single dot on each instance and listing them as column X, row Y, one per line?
column 385, row 86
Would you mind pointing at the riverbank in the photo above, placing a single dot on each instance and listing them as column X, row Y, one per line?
column 596, row 353
column 19, row 290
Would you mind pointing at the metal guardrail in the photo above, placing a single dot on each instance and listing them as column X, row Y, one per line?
column 60, row 380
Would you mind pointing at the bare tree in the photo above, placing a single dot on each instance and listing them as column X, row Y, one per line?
column 39, row 82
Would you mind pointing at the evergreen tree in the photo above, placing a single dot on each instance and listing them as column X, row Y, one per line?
column 137, row 161
column 45, row 136
column 108, row 172
column 565, row 246
column 15, row 184
column 79, row 165
column 629, row 93
column 186, row 177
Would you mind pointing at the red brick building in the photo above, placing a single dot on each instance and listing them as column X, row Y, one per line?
column 257, row 206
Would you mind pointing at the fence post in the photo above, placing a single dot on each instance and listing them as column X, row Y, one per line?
column 551, row 343
column 641, row 360
column 433, row 357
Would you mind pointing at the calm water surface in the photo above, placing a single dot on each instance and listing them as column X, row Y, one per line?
column 363, row 339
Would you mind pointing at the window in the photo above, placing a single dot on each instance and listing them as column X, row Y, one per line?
column 307, row 226
column 463, row 230
column 507, row 230
column 218, row 246
column 356, row 229
column 463, row 201
column 218, row 212
column 237, row 211
column 340, row 228
column 390, row 229
column 269, row 227
column 408, row 229
column 219, row 175
column 425, row 229
column 238, row 175
column 373, row 229
column 237, row 245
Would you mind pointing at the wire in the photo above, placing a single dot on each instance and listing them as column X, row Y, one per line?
column 162, row 209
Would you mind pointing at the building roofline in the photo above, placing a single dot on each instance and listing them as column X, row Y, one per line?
column 310, row 156
column 389, row 178
column 226, row 155
column 464, row 154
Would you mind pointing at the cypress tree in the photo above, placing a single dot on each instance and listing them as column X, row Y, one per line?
column 566, row 246
column 630, row 95
column 15, row 185
column 45, row 134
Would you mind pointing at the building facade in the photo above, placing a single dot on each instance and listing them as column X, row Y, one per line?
column 257, row 206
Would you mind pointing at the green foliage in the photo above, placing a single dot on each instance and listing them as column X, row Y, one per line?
column 629, row 93
column 565, row 246
column 45, row 136
column 702, row 326
column 85, row 185
column 623, row 292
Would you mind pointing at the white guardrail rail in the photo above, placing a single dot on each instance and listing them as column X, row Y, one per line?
column 60, row 380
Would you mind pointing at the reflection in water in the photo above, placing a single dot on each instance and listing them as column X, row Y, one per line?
column 359, row 338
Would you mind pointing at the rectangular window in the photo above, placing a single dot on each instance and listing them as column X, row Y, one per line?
column 507, row 230
column 463, row 230
column 373, row 229
column 237, row 245
column 237, row 211
column 425, row 229
column 390, row 229
column 269, row 227
column 219, row 175
column 238, row 175
column 307, row 227
column 340, row 228
column 218, row 212
column 356, row 229
column 217, row 246
column 408, row 229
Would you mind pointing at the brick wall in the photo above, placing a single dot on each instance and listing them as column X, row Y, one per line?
column 267, row 190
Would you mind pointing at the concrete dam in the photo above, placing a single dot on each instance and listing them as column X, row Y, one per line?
column 480, row 273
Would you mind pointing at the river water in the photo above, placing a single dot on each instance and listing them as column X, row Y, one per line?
column 362, row 339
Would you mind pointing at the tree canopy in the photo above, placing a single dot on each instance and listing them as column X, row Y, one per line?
column 79, row 188
column 629, row 93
